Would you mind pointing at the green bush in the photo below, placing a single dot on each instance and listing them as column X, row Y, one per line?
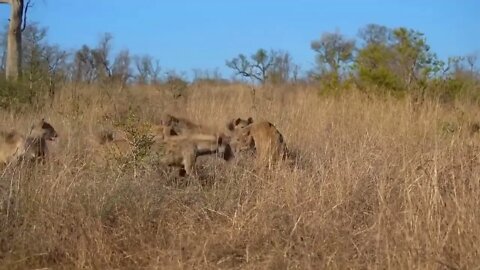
column 14, row 93
column 17, row 94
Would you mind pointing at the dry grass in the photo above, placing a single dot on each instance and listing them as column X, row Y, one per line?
column 379, row 184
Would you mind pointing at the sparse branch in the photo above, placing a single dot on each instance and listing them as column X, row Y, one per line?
column 28, row 5
column 4, row 2
column 471, row 61
column 258, row 67
column 242, row 70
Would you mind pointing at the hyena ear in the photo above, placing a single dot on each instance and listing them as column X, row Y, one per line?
column 230, row 126
column 219, row 140
column 172, row 132
column 250, row 120
column 237, row 121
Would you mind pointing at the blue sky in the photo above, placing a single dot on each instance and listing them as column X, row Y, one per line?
column 188, row 34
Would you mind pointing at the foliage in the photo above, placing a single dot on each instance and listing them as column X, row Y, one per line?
column 334, row 51
column 394, row 61
column 14, row 94
column 176, row 85
column 138, row 134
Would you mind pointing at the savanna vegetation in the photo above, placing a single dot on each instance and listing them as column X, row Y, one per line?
column 386, row 172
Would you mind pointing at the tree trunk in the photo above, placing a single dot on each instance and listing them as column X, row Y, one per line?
column 14, row 44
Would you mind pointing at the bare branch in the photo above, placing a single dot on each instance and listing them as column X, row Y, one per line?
column 28, row 5
column 257, row 69
column 4, row 2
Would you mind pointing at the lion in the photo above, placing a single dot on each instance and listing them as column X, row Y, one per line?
column 264, row 138
column 14, row 145
column 183, row 151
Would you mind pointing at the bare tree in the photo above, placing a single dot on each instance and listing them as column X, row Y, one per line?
column 93, row 64
column 176, row 84
column 283, row 69
column 257, row 67
column 55, row 58
column 3, row 44
column 205, row 75
column 471, row 61
column 84, row 65
column 33, row 63
column 101, row 55
column 148, row 70
column 18, row 11
column 121, row 70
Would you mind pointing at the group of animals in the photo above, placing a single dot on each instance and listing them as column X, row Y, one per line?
column 179, row 140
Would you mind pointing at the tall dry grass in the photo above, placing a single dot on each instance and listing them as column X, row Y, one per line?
column 379, row 184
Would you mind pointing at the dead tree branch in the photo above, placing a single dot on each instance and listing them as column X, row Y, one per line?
column 25, row 11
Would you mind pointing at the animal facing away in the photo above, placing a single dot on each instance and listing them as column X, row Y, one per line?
column 182, row 151
column 14, row 145
column 264, row 138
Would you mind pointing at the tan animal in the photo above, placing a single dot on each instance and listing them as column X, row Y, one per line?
column 264, row 138
column 238, row 123
column 177, row 151
column 112, row 142
column 108, row 143
column 183, row 151
column 174, row 126
column 14, row 145
column 109, row 134
column 36, row 142
column 161, row 132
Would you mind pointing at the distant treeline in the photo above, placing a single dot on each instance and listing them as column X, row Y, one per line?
column 380, row 60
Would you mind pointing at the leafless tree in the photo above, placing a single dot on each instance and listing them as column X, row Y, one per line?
column 84, row 66
column 148, row 69
column 18, row 12
column 121, row 70
column 100, row 57
column 471, row 61
column 55, row 59
column 283, row 68
column 257, row 67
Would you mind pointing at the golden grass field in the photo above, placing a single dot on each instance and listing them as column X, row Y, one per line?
column 379, row 183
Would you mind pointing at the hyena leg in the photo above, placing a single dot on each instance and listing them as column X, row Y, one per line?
column 189, row 160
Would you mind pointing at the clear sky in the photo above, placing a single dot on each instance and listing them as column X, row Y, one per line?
column 188, row 34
